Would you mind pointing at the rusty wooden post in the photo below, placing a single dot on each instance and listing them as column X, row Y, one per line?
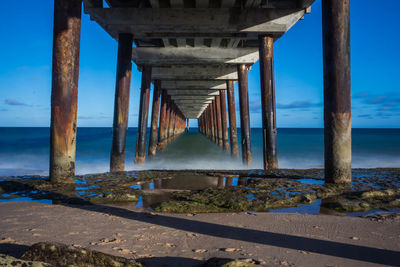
column 337, row 99
column 212, row 121
column 207, row 119
column 215, row 122
column 268, row 112
column 140, row 156
column 225, row 140
column 232, row 119
column 244, row 115
column 168, row 122
column 121, row 102
column 171, row 125
column 155, row 111
column 219, row 119
column 163, row 119
column 64, row 91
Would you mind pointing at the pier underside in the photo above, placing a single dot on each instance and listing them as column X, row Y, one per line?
column 194, row 51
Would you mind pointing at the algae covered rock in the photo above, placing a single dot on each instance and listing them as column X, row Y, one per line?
column 224, row 262
column 6, row 260
column 63, row 255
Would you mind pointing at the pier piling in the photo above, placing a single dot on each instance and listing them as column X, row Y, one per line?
column 270, row 150
column 232, row 119
column 225, row 140
column 337, row 97
column 64, row 91
column 244, row 115
column 219, row 120
column 121, row 102
column 163, row 120
column 140, row 156
column 155, row 109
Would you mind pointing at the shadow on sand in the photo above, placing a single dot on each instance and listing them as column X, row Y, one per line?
column 331, row 248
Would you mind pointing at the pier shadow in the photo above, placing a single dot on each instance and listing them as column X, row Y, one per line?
column 170, row 261
column 14, row 250
column 324, row 247
column 331, row 248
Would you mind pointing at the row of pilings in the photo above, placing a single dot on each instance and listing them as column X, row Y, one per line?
column 65, row 73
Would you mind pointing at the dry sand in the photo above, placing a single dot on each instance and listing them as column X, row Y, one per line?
column 187, row 239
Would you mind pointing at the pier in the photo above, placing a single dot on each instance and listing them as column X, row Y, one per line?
column 194, row 52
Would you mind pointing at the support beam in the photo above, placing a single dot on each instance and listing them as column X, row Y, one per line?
column 163, row 120
column 201, row 92
column 232, row 119
column 187, row 125
column 337, row 100
column 155, row 111
column 155, row 22
column 268, row 112
column 219, row 120
column 164, row 142
column 244, row 115
column 140, row 156
column 225, row 141
column 193, row 85
column 167, row 56
column 64, row 90
column 212, row 126
column 121, row 103
column 196, row 72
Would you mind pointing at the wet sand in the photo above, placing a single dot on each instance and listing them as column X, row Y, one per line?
column 273, row 239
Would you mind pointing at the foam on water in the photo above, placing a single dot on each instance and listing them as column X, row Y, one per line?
column 26, row 150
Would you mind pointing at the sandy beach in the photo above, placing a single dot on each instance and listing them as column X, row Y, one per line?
column 271, row 239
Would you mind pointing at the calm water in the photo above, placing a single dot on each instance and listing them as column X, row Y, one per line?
column 26, row 150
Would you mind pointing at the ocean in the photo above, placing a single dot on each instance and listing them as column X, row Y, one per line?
column 25, row 151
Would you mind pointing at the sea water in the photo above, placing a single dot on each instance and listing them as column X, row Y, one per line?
column 25, row 151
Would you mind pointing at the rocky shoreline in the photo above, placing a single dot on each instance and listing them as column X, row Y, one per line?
column 217, row 191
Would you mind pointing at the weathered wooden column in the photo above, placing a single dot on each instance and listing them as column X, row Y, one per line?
column 268, row 112
column 64, row 90
column 244, row 115
column 337, row 97
column 212, row 121
column 121, row 102
column 219, row 119
column 163, row 119
column 155, row 111
column 172, row 123
column 215, row 121
column 140, row 157
column 168, row 122
column 225, row 140
column 232, row 119
column 209, row 122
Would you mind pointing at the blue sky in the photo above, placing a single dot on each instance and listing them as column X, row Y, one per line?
column 26, row 53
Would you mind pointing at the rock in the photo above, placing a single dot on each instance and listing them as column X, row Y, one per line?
column 63, row 255
column 11, row 261
column 199, row 250
column 224, row 262
column 355, row 238
column 230, row 249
